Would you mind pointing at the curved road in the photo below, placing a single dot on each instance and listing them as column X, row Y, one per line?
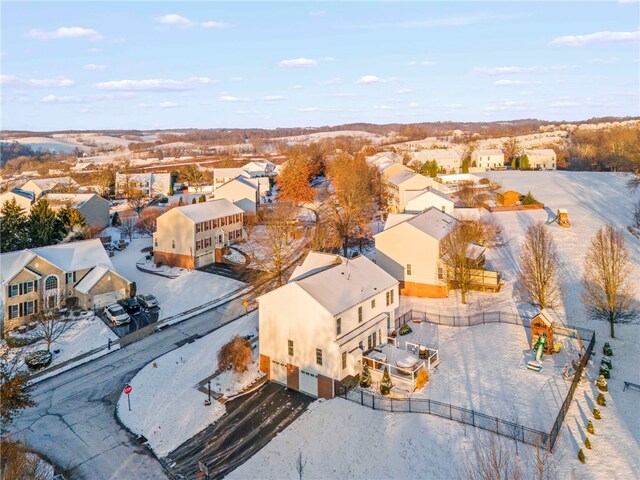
column 74, row 422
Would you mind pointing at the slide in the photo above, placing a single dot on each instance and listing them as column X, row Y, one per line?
column 554, row 219
column 539, row 349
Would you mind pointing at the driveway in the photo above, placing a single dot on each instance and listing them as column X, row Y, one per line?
column 249, row 424
column 138, row 320
column 225, row 270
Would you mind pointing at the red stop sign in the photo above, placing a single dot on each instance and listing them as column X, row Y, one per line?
column 127, row 389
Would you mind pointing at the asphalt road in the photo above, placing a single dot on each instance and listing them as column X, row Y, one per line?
column 249, row 424
column 74, row 422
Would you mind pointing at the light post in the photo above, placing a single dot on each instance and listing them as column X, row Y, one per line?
column 209, row 389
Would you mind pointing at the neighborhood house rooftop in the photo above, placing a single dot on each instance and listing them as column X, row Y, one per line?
column 202, row 212
column 433, row 222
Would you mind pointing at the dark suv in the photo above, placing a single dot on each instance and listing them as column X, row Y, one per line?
column 130, row 305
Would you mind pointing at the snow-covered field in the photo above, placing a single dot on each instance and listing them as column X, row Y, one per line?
column 421, row 446
column 189, row 290
column 166, row 407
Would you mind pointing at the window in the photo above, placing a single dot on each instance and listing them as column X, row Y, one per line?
column 13, row 311
column 155, row 242
column 369, row 344
column 408, row 269
column 443, row 209
column 360, row 314
column 173, row 244
column 338, row 326
column 28, row 308
column 28, row 287
column 374, row 339
column 318, row 356
column 440, row 273
column 291, row 348
column 70, row 277
column 361, row 345
column 13, row 291
column 344, row 360
column 391, row 296
column 388, row 302
column 51, row 283
column 197, row 228
column 373, row 303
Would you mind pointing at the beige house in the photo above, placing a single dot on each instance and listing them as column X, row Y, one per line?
column 397, row 185
column 241, row 192
column 384, row 157
column 389, row 169
column 40, row 186
column 194, row 235
column 47, row 277
column 541, row 159
column 260, row 168
column 409, row 250
column 446, row 158
column 150, row 184
column 488, row 159
column 315, row 329
column 93, row 208
column 418, row 201
column 223, row 175
column 23, row 198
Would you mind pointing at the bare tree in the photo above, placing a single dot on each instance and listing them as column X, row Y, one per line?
column 128, row 221
column 301, row 463
column 18, row 462
column 608, row 291
column 14, row 390
column 511, row 148
column 235, row 354
column 491, row 460
column 193, row 175
column 458, row 267
column 136, row 199
column 635, row 214
column 544, row 463
column 147, row 221
column 538, row 266
column 633, row 184
column 50, row 325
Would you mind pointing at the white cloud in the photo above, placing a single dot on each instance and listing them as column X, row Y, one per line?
column 159, row 105
column 423, row 62
column 369, row 79
column 61, row 99
column 515, row 83
column 439, row 22
column 454, row 105
column 332, row 81
column 311, row 109
column 299, row 62
column 155, row 84
column 414, row 104
column 10, row 81
column 564, row 103
column 598, row 37
column 272, row 98
column 317, row 13
column 384, row 107
column 176, row 20
column 518, row 70
column 231, row 98
column 94, row 67
column 403, row 91
column 65, row 32
column 295, row 87
column 342, row 94
column 605, row 61
column 236, row 79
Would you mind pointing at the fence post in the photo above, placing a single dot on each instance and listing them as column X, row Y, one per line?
column 473, row 418
column 499, row 316
column 429, row 405
column 450, row 413
column 497, row 427
column 483, row 318
column 373, row 402
column 391, row 404
column 361, row 397
column 469, row 319
column 409, row 404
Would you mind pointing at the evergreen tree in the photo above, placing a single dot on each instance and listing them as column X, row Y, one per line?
column 465, row 166
column 581, row 456
column 180, row 202
column 45, row 228
column 524, row 162
column 70, row 217
column 202, row 199
column 14, row 390
column 365, row 377
column 385, row 384
column 587, row 443
column 596, row 414
column 13, row 227
column 601, row 400
column 193, row 201
column 590, row 428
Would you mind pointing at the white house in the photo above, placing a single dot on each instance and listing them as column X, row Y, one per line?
column 93, row 208
column 23, row 198
column 260, row 168
column 418, row 201
column 40, row 186
column 383, row 157
column 241, row 192
column 488, row 159
column 314, row 329
column 446, row 158
column 541, row 159
column 223, row 175
column 151, row 183
column 409, row 250
column 402, row 182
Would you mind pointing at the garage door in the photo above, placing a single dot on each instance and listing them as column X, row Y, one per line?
column 279, row 372
column 104, row 299
column 203, row 260
column 309, row 383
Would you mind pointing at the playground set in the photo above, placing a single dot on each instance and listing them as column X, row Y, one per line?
column 542, row 335
column 562, row 217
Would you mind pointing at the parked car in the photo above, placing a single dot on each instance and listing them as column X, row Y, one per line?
column 130, row 305
column 117, row 315
column 147, row 300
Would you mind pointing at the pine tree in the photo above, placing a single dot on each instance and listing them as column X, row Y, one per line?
column 596, row 414
column 581, row 456
column 587, row 443
column 70, row 217
column 524, row 162
column 13, row 227
column 386, row 385
column 590, row 428
column 193, row 201
column 45, row 228
column 365, row 377
column 202, row 199
column 180, row 202
column 601, row 400
column 115, row 220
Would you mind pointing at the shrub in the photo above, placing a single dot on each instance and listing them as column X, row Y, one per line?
column 587, row 443
column 21, row 341
column 604, row 371
column 601, row 383
column 405, row 329
column 596, row 414
column 484, row 181
column 607, row 361
column 581, row 456
column 235, row 354
column 365, row 377
column 590, row 428
column 529, row 199
column 385, row 384
column 421, row 378
column 606, row 349
column 601, row 400
column 557, row 347
column 38, row 359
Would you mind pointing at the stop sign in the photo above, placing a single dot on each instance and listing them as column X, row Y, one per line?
column 127, row 389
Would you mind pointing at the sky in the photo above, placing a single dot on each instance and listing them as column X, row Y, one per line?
column 151, row 65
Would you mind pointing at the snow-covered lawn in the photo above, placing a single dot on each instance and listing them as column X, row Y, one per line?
column 259, row 250
column 191, row 289
column 166, row 407
column 83, row 334
column 422, row 446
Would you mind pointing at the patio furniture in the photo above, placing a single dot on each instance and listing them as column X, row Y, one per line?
column 406, row 362
column 416, row 320
column 423, row 352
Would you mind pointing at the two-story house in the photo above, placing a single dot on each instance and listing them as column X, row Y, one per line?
column 242, row 192
column 488, row 158
column 40, row 186
column 92, row 207
column 541, row 158
column 150, row 184
column 194, row 235
column 223, row 175
column 48, row 277
column 314, row 329
column 397, row 185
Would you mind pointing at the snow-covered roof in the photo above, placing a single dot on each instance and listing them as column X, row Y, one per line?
column 338, row 283
column 49, row 183
column 18, row 191
column 229, row 172
column 402, row 177
column 412, row 194
column 142, row 177
column 12, row 263
column 540, row 152
column 475, row 251
column 545, row 317
column 210, row 210
column 258, row 165
column 93, row 277
column 459, row 177
column 76, row 200
column 432, row 222
column 436, row 154
column 489, row 151
column 241, row 180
